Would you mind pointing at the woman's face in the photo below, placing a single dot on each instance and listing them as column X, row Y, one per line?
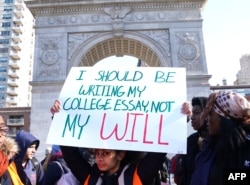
column 108, row 160
column 196, row 117
column 213, row 123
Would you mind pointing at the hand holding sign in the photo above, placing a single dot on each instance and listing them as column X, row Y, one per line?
column 56, row 107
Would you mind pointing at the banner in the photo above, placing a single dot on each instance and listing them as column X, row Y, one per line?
column 135, row 108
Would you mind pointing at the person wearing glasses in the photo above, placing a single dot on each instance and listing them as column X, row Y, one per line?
column 112, row 167
column 8, row 149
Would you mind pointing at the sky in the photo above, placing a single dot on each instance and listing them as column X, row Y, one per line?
column 226, row 34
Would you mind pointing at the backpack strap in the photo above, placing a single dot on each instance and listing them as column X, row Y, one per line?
column 121, row 177
column 59, row 164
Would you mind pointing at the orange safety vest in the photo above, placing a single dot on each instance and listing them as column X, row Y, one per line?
column 136, row 178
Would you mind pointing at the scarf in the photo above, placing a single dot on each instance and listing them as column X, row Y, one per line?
column 14, row 175
column 229, row 105
column 4, row 162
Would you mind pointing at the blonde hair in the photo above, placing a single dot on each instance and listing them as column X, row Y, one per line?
column 9, row 145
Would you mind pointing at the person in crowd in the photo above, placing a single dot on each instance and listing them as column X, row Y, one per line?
column 10, row 177
column 228, row 116
column 164, row 173
column 88, row 154
column 8, row 148
column 185, row 163
column 56, row 166
column 28, row 167
column 47, row 158
column 111, row 167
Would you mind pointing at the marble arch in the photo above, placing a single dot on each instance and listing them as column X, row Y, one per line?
column 165, row 33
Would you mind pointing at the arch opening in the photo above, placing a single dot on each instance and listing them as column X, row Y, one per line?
column 120, row 47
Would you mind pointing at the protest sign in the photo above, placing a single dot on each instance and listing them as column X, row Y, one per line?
column 135, row 108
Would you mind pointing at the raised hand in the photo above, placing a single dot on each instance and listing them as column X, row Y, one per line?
column 186, row 108
column 56, row 107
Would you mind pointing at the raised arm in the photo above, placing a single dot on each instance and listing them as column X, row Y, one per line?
column 77, row 164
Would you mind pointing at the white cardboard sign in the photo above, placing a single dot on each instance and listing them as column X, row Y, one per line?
column 123, row 108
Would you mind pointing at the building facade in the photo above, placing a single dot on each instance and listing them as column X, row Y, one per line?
column 16, row 53
column 243, row 76
column 16, row 118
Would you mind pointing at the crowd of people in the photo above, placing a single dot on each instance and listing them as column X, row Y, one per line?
column 225, row 145
column 221, row 142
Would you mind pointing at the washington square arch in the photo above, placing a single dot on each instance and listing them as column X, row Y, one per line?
column 161, row 33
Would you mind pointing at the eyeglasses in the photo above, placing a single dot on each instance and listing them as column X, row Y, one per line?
column 3, row 132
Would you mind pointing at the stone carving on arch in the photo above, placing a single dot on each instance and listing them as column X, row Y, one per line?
column 189, row 52
column 75, row 40
column 147, row 42
column 49, row 64
column 162, row 39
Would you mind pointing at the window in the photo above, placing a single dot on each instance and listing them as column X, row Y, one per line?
column 7, row 16
column 2, row 79
column 7, row 9
column 6, row 24
column 4, row 41
column 3, row 69
column 2, row 96
column 5, row 33
column 8, row 1
column 2, row 87
column 3, row 59
column 12, row 131
column 4, row 50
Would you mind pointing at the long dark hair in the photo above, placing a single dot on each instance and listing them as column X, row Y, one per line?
column 231, row 138
column 233, row 131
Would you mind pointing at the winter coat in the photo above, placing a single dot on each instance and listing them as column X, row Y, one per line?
column 222, row 153
column 211, row 163
column 6, row 179
column 242, row 155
